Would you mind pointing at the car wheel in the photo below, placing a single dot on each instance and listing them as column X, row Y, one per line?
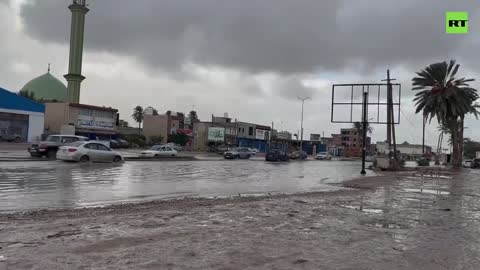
column 155, row 155
column 17, row 140
column 84, row 159
column 51, row 154
column 117, row 159
column 35, row 155
column 237, row 156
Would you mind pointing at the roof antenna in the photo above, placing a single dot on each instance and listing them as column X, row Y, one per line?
column 48, row 68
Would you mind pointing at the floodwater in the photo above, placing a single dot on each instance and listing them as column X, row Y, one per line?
column 55, row 184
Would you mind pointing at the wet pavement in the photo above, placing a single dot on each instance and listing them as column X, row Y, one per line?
column 411, row 220
column 55, row 184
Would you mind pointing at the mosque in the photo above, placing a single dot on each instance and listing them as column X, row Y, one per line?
column 58, row 109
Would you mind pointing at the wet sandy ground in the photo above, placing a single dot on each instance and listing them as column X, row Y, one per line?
column 408, row 221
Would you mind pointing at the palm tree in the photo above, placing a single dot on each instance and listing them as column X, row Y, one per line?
column 359, row 127
column 446, row 98
column 193, row 116
column 138, row 115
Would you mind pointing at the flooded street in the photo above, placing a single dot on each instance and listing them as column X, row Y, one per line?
column 54, row 184
column 426, row 219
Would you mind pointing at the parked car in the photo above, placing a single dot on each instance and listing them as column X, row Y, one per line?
column 276, row 155
column 298, row 155
column 467, row 163
column 238, row 152
column 123, row 143
column 50, row 146
column 85, row 151
column 221, row 149
column 159, row 151
column 475, row 163
column 253, row 151
column 175, row 146
column 323, row 156
column 114, row 144
column 7, row 137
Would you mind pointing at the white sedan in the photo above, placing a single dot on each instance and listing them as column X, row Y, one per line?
column 323, row 156
column 159, row 151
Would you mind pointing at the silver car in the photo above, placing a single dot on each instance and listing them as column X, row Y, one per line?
column 88, row 151
column 237, row 152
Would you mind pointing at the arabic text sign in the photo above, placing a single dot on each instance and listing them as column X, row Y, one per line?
column 83, row 123
column 260, row 134
column 216, row 134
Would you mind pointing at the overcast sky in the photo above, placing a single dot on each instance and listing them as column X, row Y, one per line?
column 248, row 58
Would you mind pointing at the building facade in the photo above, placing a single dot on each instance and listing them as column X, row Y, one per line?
column 156, row 126
column 407, row 150
column 232, row 133
column 81, row 119
column 349, row 142
column 315, row 137
column 21, row 119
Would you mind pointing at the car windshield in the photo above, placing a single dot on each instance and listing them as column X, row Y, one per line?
column 53, row 139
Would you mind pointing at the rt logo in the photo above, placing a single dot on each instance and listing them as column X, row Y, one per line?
column 456, row 22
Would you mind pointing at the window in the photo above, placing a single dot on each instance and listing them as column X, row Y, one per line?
column 354, row 145
column 53, row 138
column 102, row 147
column 354, row 139
column 239, row 129
column 103, row 114
column 85, row 112
column 250, row 131
column 168, row 149
column 92, row 146
column 69, row 139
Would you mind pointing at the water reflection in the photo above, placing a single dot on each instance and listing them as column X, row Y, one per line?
column 34, row 185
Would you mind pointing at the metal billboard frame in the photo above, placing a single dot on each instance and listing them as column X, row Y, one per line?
column 366, row 87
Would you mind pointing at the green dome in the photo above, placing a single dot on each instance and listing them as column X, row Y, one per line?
column 47, row 87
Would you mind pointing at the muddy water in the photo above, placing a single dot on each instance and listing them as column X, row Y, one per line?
column 35, row 185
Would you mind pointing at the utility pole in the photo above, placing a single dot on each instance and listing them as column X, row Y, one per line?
column 423, row 137
column 301, row 123
column 390, row 118
column 364, row 120
column 270, row 139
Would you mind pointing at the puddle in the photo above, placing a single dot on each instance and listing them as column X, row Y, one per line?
column 362, row 209
column 428, row 191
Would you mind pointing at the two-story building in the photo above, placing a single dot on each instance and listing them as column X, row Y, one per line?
column 81, row 119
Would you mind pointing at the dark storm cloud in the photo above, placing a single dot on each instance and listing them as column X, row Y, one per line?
column 291, row 88
column 282, row 36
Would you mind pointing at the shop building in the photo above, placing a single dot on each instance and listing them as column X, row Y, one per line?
column 21, row 119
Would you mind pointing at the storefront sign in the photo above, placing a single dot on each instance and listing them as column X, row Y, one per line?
column 260, row 134
column 83, row 123
column 216, row 134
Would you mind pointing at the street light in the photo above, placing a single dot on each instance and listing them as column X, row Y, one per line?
column 301, row 125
